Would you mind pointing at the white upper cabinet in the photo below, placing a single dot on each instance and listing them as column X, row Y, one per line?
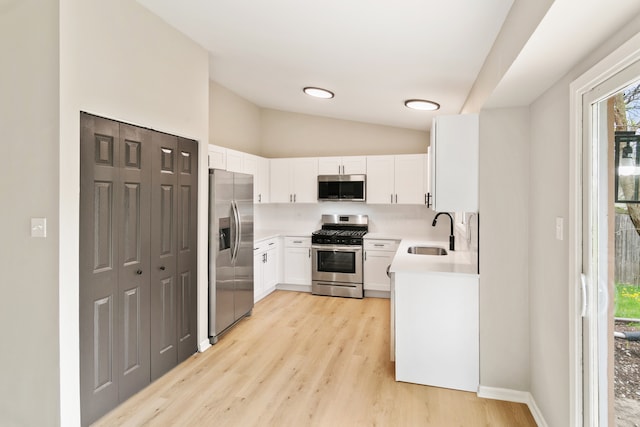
column 261, row 188
column 217, row 157
column 294, row 180
column 399, row 179
column 235, row 160
column 238, row 161
column 454, row 163
column 259, row 168
column 410, row 179
column 350, row 165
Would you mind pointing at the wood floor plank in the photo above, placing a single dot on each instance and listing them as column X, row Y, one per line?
column 305, row 360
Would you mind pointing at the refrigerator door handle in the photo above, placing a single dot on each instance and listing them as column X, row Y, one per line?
column 235, row 231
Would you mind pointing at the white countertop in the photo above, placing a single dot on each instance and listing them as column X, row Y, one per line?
column 457, row 262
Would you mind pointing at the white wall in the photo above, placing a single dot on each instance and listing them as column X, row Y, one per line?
column 504, row 237
column 119, row 61
column 287, row 134
column 29, row 376
column 522, row 20
column 234, row 122
column 549, row 258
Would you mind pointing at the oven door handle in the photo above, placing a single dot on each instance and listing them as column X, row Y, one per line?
column 337, row 248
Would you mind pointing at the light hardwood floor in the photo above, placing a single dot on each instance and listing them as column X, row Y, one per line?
column 304, row 360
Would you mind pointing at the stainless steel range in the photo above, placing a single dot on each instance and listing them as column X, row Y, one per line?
column 337, row 256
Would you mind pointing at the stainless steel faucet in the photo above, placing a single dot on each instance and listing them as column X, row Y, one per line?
column 452, row 238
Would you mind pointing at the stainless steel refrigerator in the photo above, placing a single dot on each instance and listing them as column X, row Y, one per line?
column 230, row 250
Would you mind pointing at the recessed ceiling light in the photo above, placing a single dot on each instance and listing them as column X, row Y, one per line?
column 318, row 92
column 421, row 104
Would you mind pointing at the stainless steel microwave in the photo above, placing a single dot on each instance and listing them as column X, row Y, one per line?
column 346, row 188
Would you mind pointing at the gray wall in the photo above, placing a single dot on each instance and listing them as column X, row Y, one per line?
column 548, row 258
column 118, row 60
column 504, row 237
column 29, row 362
column 234, row 122
column 287, row 134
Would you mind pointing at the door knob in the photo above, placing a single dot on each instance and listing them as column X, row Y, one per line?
column 139, row 272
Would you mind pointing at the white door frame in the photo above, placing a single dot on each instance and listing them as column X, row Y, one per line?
column 621, row 58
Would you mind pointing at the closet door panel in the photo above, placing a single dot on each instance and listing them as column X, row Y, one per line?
column 187, row 247
column 100, row 188
column 133, row 259
column 164, row 238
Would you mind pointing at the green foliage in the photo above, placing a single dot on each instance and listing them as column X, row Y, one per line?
column 627, row 301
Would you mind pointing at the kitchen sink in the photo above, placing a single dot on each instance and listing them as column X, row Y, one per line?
column 427, row 250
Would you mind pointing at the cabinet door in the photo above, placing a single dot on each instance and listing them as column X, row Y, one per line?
column 262, row 181
column 305, row 180
column 270, row 274
column 329, row 165
column 354, row 165
column 454, row 145
column 279, row 174
column 258, row 275
column 217, row 157
column 375, row 270
column 297, row 266
column 234, row 160
column 410, row 179
column 380, row 179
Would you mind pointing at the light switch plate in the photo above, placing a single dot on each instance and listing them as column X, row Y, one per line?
column 560, row 228
column 38, row 227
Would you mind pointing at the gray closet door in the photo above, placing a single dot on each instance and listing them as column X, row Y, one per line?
column 138, row 299
column 187, row 245
column 164, row 281
column 114, row 264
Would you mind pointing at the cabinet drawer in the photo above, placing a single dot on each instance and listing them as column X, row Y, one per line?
column 263, row 245
column 302, row 242
column 380, row 245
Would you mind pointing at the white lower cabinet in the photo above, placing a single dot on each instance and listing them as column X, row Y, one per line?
column 297, row 261
column 435, row 320
column 265, row 268
column 378, row 255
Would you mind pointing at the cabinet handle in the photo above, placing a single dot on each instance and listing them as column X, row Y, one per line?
column 392, row 198
column 428, row 196
column 290, row 198
column 163, row 268
column 272, row 243
column 139, row 272
column 379, row 245
column 297, row 241
column 396, row 198
column 294, row 198
column 309, row 252
column 339, row 170
column 365, row 256
column 259, row 198
column 264, row 257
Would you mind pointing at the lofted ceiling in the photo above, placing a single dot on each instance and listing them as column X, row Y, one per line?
column 374, row 54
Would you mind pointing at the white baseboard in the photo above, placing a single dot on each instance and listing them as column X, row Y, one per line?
column 298, row 288
column 204, row 346
column 376, row 294
column 514, row 396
